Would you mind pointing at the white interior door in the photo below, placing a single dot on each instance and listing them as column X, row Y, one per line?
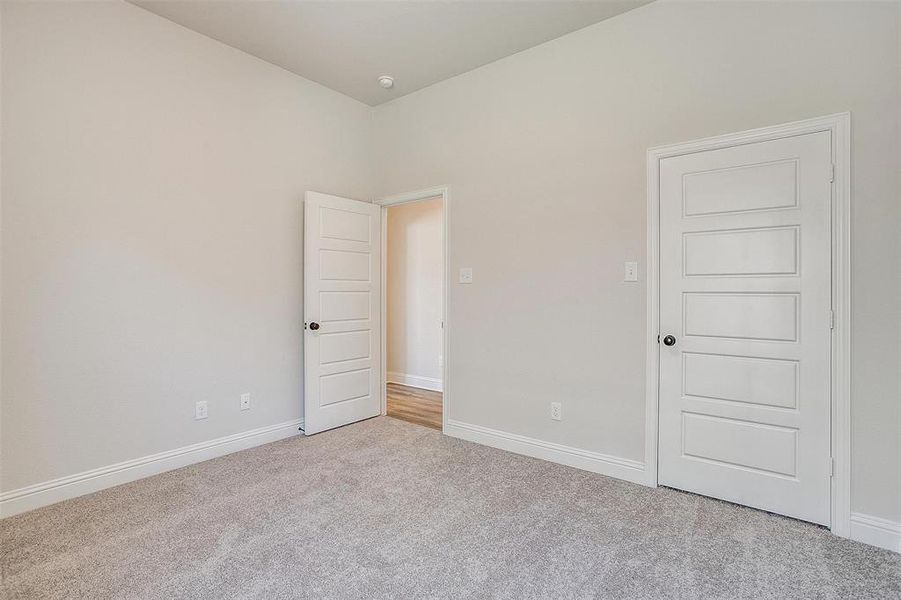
column 745, row 280
column 341, row 311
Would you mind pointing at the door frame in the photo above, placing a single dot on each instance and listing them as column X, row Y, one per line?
column 407, row 198
column 839, row 125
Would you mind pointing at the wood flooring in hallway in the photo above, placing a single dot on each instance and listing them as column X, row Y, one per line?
column 415, row 405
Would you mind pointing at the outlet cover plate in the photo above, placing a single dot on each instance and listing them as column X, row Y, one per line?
column 200, row 410
column 557, row 411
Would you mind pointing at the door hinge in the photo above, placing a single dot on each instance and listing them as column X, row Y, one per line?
column 832, row 174
column 831, row 466
column 831, row 319
column 658, row 338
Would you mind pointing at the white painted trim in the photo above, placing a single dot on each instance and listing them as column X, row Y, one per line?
column 612, row 466
column 876, row 531
column 417, row 381
column 86, row 482
column 404, row 198
column 652, row 368
column 839, row 125
column 414, row 196
column 383, row 333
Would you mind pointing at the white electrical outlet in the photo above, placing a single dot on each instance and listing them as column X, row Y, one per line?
column 630, row 271
column 245, row 401
column 556, row 410
column 466, row 275
column 200, row 410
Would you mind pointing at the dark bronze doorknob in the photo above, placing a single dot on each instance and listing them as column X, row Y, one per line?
column 669, row 341
column 314, row 326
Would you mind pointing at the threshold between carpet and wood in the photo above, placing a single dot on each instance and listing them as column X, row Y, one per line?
column 388, row 509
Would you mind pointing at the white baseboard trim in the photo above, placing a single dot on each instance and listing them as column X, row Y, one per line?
column 876, row 531
column 49, row 492
column 612, row 466
column 426, row 383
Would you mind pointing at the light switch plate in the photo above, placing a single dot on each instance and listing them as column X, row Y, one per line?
column 466, row 275
column 631, row 271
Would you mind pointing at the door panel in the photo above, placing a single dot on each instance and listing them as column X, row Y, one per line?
column 770, row 251
column 745, row 279
column 341, row 296
column 344, row 306
column 349, row 345
column 742, row 444
column 763, row 381
column 763, row 186
column 748, row 316
column 341, row 265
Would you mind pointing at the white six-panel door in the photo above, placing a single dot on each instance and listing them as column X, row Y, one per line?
column 341, row 311
column 745, row 268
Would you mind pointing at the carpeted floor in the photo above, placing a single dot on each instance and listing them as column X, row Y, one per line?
column 388, row 509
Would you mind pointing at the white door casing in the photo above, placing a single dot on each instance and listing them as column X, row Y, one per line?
column 745, row 289
column 342, row 296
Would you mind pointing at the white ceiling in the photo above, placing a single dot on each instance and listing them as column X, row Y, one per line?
column 346, row 45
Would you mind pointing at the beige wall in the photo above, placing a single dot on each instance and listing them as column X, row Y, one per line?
column 415, row 266
column 544, row 154
column 152, row 253
column 151, row 201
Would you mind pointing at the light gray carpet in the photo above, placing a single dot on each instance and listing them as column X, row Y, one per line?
column 387, row 509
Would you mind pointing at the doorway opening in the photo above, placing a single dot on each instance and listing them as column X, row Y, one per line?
column 413, row 288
